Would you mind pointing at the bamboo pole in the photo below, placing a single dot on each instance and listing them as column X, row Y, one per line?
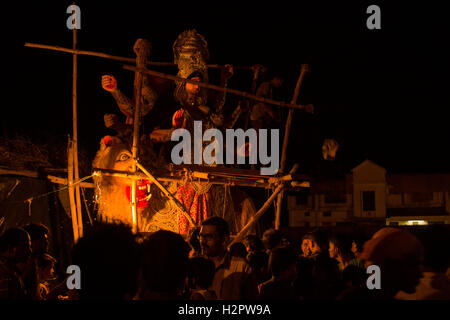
column 35, row 174
column 280, row 200
column 207, row 176
column 230, row 182
column 142, row 50
column 59, row 180
column 117, row 58
column 307, row 108
column 73, row 209
column 303, row 71
column 167, row 193
column 75, row 135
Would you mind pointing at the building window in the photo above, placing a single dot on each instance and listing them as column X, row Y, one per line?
column 307, row 224
column 335, row 197
column 368, row 198
column 326, row 214
column 307, row 214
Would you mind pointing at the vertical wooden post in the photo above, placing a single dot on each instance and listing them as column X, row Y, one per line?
column 304, row 69
column 75, row 135
column 142, row 50
column 73, row 209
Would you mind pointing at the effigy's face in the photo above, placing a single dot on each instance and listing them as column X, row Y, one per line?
column 113, row 193
column 124, row 162
column 191, row 88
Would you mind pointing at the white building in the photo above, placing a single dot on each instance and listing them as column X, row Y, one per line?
column 370, row 195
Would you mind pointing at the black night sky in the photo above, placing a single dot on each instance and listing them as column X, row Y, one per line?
column 381, row 93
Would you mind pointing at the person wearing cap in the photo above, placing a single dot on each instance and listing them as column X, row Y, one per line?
column 398, row 254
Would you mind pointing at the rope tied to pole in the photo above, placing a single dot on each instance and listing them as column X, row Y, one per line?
column 29, row 200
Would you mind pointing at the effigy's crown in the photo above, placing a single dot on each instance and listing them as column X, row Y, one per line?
column 191, row 54
column 190, row 43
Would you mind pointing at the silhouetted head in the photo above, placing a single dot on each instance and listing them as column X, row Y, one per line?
column 272, row 239
column 193, row 239
column 165, row 262
column 46, row 267
column 253, row 243
column 283, row 263
column 305, row 245
column 340, row 245
column 39, row 237
column 15, row 245
column 108, row 257
column 238, row 249
column 318, row 241
column 200, row 272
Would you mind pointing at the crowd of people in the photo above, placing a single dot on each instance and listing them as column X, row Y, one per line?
column 209, row 264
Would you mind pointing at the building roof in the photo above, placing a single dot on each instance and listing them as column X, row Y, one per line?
column 410, row 183
column 368, row 163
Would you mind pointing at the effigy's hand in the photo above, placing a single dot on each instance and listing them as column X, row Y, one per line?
column 329, row 149
column 111, row 120
column 178, row 120
column 160, row 135
column 228, row 71
column 109, row 83
column 217, row 119
column 309, row 108
column 258, row 70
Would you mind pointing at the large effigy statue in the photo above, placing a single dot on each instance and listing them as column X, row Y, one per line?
column 201, row 199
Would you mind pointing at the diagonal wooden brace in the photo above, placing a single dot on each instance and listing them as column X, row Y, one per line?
column 167, row 193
